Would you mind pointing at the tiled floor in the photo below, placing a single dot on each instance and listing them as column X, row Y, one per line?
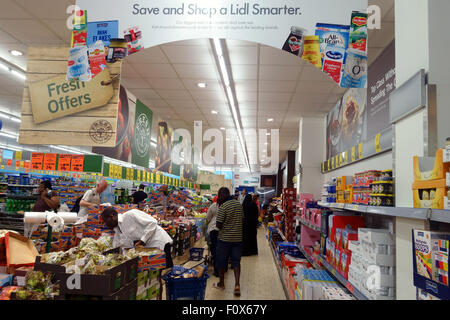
column 259, row 276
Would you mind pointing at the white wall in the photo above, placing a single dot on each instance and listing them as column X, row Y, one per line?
column 412, row 54
column 411, row 38
column 439, row 66
column 312, row 138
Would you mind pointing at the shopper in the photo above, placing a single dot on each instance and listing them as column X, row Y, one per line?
column 250, row 244
column 90, row 199
column 236, row 194
column 136, row 228
column 48, row 199
column 213, row 232
column 242, row 196
column 229, row 243
column 139, row 195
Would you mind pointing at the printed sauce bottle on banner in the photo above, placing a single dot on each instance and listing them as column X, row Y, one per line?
column 295, row 41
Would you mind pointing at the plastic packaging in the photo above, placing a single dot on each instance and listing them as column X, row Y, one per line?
column 79, row 68
column 311, row 51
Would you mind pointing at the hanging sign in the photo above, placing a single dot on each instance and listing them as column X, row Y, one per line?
column 56, row 98
column 291, row 25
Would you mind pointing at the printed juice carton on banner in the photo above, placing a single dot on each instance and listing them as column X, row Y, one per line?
column 358, row 31
column 79, row 33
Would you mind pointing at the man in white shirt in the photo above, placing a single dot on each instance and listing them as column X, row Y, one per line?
column 137, row 228
column 90, row 199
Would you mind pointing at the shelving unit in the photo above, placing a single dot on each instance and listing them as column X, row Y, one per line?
column 308, row 224
column 412, row 213
column 309, row 258
column 358, row 295
column 280, row 274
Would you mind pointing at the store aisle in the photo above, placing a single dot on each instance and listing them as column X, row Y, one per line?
column 259, row 277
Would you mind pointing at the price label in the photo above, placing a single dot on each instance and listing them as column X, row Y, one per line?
column 50, row 161
column 26, row 165
column 341, row 159
column 64, row 162
column 77, row 163
column 360, row 151
column 377, row 143
column 19, row 155
column 446, row 155
column 350, row 287
column 333, row 272
column 323, row 167
column 341, row 205
column 355, row 207
column 332, row 163
column 17, row 164
column 346, row 157
column 37, row 161
column 353, row 154
column 9, row 163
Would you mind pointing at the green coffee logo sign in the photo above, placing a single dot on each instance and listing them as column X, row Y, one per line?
column 56, row 98
column 142, row 135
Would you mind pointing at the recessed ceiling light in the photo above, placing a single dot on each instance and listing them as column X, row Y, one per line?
column 268, row 134
column 270, row 120
column 214, row 112
column 223, row 129
column 201, row 85
column 16, row 53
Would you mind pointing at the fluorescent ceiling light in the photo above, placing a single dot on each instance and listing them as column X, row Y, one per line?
column 9, row 117
column 214, row 112
column 16, row 53
column 201, row 85
column 223, row 129
column 4, row 67
column 227, row 83
column 270, row 120
column 19, row 75
column 8, row 134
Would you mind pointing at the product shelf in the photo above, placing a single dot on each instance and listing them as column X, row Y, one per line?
column 23, row 185
column 308, row 224
column 411, row 213
column 358, row 295
column 280, row 274
column 281, row 234
column 309, row 258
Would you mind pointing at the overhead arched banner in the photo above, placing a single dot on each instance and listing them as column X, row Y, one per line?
column 296, row 26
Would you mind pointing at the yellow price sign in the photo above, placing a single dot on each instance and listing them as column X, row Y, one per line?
column 346, row 157
column 337, row 161
column 353, row 154
column 332, row 163
column 19, row 155
column 360, row 151
column 323, row 167
column 377, row 143
column 341, row 159
column 158, row 178
column 329, row 164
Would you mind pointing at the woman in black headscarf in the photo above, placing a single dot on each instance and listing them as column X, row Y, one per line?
column 250, row 244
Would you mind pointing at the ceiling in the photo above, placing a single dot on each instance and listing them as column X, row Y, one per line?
column 269, row 83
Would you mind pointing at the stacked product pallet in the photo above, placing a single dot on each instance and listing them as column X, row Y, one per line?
column 372, row 267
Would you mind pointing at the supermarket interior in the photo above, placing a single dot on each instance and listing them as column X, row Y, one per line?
column 259, row 150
